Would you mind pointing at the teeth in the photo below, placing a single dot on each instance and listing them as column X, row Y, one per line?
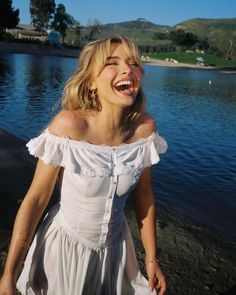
column 124, row 83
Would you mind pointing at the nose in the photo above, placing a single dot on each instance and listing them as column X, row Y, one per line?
column 126, row 68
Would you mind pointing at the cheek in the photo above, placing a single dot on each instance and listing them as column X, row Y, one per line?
column 138, row 74
column 108, row 73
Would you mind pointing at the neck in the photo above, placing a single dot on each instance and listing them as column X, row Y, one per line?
column 112, row 120
column 111, row 124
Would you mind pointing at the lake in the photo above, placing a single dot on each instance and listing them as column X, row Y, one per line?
column 197, row 176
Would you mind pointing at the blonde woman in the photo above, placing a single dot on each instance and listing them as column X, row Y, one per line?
column 100, row 146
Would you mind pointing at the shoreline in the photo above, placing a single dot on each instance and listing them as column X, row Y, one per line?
column 163, row 63
column 38, row 49
column 195, row 259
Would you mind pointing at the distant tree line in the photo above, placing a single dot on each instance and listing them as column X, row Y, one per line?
column 45, row 14
column 181, row 39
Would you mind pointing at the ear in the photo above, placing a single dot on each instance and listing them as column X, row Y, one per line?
column 93, row 85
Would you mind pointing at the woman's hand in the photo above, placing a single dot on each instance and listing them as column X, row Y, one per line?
column 7, row 286
column 156, row 278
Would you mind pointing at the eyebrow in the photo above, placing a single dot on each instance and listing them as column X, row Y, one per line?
column 113, row 57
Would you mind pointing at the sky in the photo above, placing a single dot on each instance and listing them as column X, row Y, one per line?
column 163, row 12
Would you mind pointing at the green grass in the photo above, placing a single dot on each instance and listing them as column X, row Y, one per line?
column 190, row 58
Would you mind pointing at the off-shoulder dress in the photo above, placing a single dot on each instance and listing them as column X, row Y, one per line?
column 84, row 246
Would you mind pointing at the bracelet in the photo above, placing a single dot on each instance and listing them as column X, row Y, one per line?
column 153, row 261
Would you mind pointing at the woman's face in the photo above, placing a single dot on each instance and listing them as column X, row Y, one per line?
column 119, row 81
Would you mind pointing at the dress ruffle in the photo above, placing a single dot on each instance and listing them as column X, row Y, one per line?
column 80, row 156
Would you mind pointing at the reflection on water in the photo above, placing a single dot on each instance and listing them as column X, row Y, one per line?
column 6, row 74
column 198, row 174
column 34, row 88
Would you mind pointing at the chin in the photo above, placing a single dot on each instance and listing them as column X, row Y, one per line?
column 128, row 101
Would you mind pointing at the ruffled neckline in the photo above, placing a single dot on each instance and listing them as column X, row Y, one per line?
column 95, row 160
column 84, row 143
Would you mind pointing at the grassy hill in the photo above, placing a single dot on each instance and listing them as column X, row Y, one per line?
column 221, row 33
column 141, row 30
column 204, row 26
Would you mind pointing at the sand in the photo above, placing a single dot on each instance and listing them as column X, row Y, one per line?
column 164, row 63
column 195, row 259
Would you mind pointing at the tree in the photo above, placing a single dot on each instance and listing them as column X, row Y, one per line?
column 203, row 44
column 229, row 50
column 177, row 37
column 41, row 13
column 62, row 20
column 180, row 38
column 9, row 17
column 94, row 28
column 190, row 39
column 73, row 34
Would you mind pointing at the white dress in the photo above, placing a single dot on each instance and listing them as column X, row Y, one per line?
column 84, row 246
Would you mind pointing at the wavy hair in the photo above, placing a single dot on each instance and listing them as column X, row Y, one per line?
column 77, row 93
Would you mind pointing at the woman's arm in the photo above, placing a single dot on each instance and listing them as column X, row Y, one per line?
column 27, row 219
column 145, row 209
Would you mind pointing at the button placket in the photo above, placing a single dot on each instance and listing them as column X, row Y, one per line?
column 108, row 208
column 114, row 172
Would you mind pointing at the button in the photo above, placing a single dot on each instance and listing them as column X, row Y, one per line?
column 114, row 182
column 110, row 197
column 108, row 211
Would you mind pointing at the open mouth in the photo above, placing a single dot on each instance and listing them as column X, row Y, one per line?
column 125, row 87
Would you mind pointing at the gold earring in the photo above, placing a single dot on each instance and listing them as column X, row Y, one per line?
column 93, row 94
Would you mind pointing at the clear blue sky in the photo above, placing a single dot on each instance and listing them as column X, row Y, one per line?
column 165, row 12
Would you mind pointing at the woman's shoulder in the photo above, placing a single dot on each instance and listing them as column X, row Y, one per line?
column 68, row 123
column 146, row 125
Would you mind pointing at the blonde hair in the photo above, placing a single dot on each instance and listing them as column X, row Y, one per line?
column 77, row 93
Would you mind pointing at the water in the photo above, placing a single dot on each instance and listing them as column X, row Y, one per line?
column 198, row 174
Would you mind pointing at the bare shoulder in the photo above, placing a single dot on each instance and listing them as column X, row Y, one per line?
column 146, row 125
column 68, row 123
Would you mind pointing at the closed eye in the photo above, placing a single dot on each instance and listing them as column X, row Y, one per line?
column 111, row 60
column 133, row 64
column 110, row 63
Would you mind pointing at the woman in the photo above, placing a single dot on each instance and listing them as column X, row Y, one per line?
column 100, row 146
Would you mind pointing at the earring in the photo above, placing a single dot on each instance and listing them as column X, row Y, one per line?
column 93, row 94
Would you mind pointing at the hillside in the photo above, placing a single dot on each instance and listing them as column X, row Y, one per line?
column 203, row 26
column 221, row 33
column 141, row 30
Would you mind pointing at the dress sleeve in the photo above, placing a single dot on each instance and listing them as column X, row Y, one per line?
column 72, row 155
column 157, row 146
column 50, row 149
